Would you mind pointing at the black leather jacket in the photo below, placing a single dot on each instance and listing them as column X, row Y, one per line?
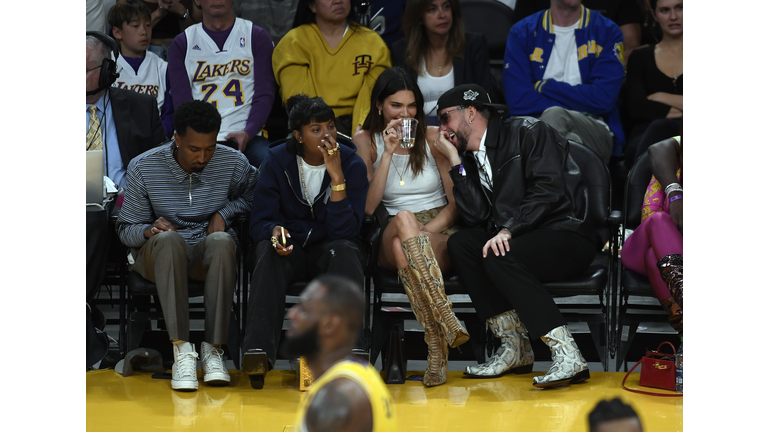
column 534, row 180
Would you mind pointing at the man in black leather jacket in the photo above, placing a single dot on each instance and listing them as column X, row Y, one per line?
column 514, row 185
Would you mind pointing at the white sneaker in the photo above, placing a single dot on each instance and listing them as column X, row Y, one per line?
column 214, row 372
column 184, row 367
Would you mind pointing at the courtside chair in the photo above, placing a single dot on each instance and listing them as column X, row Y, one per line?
column 637, row 302
column 138, row 315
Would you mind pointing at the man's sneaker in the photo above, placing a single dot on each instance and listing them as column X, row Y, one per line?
column 214, row 372
column 184, row 367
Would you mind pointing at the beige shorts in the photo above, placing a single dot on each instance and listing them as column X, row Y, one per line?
column 426, row 216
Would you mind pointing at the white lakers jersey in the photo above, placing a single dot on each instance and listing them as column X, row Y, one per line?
column 223, row 78
column 149, row 79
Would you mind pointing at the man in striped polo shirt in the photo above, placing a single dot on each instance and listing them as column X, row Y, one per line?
column 180, row 201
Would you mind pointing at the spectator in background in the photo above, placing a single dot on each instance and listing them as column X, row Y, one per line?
column 169, row 19
column 274, row 16
column 438, row 53
column 565, row 65
column 328, row 54
column 384, row 17
column 226, row 61
column 655, row 83
column 140, row 70
column 311, row 188
column 614, row 416
column 180, row 202
column 627, row 14
column 94, row 16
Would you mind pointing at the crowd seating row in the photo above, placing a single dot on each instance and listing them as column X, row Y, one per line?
column 602, row 297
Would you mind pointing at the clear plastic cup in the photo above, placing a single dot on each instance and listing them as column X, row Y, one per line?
column 406, row 130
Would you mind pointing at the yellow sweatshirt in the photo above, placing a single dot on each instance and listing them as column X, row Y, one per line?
column 304, row 63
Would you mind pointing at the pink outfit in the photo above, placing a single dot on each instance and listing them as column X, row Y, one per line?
column 656, row 237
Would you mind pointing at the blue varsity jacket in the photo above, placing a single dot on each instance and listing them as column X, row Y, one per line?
column 600, row 51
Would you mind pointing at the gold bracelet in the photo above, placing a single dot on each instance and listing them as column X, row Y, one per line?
column 339, row 187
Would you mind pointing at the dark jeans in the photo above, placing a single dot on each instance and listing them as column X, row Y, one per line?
column 272, row 275
column 256, row 150
column 655, row 131
column 514, row 281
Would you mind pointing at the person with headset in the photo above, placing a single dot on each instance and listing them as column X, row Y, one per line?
column 123, row 124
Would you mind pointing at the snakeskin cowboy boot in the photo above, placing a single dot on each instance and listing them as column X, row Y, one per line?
column 671, row 268
column 568, row 365
column 421, row 258
column 513, row 356
column 675, row 314
column 437, row 349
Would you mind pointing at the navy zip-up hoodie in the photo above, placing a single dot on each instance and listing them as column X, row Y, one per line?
column 279, row 199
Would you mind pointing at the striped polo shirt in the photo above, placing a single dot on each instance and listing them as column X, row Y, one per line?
column 157, row 186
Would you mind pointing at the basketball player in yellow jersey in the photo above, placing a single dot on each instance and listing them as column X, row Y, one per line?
column 347, row 394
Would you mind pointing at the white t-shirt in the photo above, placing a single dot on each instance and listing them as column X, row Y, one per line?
column 432, row 88
column 563, row 64
column 313, row 178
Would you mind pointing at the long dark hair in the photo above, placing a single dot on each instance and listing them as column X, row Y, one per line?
column 416, row 33
column 390, row 82
column 304, row 14
column 302, row 110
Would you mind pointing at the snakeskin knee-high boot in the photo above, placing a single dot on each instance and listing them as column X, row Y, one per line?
column 437, row 348
column 422, row 259
column 671, row 268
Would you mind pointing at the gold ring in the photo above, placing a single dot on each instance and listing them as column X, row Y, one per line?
column 337, row 146
column 330, row 152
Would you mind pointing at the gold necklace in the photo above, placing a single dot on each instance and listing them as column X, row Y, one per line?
column 304, row 186
column 392, row 161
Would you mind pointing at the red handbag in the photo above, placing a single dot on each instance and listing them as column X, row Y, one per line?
column 658, row 371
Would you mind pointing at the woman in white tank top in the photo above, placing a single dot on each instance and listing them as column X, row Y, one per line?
column 416, row 189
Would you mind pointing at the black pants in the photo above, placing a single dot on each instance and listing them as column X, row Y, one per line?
column 273, row 274
column 514, row 281
column 97, row 237
column 653, row 132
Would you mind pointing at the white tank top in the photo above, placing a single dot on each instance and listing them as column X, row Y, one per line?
column 223, row 78
column 424, row 192
column 432, row 88
column 149, row 79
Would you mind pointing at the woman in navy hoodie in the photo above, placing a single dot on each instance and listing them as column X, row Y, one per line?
column 307, row 212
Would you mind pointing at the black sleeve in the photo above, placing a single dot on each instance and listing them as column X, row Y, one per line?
column 640, row 108
column 470, row 199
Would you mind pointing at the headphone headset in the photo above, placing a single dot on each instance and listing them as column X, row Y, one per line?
column 108, row 67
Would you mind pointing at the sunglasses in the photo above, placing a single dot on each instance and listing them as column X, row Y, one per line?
column 444, row 117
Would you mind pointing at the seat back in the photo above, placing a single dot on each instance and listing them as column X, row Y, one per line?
column 491, row 18
column 475, row 14
column 634, row 191
column 595, row 190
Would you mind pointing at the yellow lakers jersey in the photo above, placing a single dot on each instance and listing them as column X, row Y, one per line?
column 368, row 378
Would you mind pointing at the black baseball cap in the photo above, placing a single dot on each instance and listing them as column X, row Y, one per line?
column 469, row 95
